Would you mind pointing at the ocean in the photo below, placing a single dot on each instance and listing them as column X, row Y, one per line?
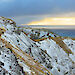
column 64, row 32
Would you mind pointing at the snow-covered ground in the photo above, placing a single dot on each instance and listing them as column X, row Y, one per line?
column 71, row 44
column 47, row 52
column 61, row 62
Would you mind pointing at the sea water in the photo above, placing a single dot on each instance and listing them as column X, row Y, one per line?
column 64, row 32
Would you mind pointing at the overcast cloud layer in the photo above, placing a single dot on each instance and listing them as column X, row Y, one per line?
column 21, row 8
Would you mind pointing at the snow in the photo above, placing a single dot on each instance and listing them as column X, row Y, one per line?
column 8, row 59
column 71, row 44
column 46, row 52
column 60, row 59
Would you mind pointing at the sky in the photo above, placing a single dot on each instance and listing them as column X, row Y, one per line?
column 28, row 11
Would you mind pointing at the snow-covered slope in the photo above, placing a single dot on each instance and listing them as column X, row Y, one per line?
column 61, row 62
column 20, row 41
column 34, row 58
column 38, row 34
column 8, row 62
column 71, row 44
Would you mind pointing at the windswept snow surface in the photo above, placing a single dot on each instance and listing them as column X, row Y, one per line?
column 61, row 62
column 18, row 39
column 71, row 44
column 46, row 52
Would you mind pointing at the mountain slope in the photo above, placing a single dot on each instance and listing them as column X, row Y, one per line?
column 41, row 57
column 21, row 42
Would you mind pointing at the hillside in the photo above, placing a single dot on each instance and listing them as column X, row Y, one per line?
column 24, row 51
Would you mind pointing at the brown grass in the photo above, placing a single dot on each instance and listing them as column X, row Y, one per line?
column 59, row 41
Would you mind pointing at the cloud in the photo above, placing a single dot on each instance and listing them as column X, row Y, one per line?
column 35, row 7
column 30, row 10
column 26, row 19
column 55, row 21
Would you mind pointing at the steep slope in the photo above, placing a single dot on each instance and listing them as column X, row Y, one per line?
column 59, row 49
column 8, row 62
column 38, row 52
column 62, row 45
column 61, row 62
column 23, row 43
column 70, row 44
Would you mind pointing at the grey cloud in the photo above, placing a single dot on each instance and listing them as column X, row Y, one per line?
column 36, row 7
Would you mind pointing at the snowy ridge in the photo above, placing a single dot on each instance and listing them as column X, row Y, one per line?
column 38, row 34
column 60, row 60
column 43, row 57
